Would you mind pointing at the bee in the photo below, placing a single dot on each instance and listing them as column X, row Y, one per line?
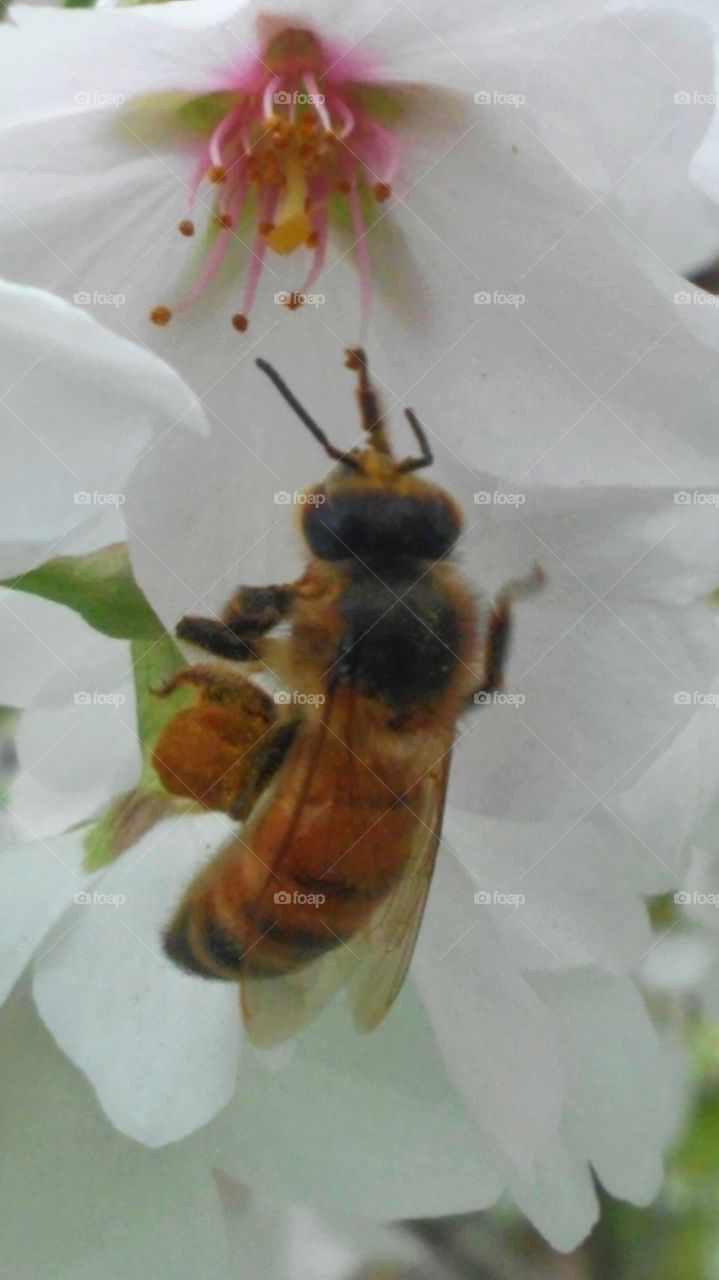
column 341, row 783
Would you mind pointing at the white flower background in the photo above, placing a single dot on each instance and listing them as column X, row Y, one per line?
column 577, row 428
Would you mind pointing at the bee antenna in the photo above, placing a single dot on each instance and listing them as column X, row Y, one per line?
column 426, row 457
column 304, row 416
column 372, row 417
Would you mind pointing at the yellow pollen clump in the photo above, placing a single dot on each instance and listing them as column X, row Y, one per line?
column 161, row 315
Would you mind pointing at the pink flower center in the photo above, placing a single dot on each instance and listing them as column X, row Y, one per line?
column 296, row 142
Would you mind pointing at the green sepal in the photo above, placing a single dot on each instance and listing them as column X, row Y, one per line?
column 100, row 587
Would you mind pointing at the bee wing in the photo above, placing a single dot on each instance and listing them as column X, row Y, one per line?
column 274, row 1009
column 374, row 961
column 387, row 942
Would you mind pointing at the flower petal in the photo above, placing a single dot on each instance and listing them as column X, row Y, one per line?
column 38, row 880
column 498, row 1041
column 160, row 1048
column 79, row 406
column 71, row 1185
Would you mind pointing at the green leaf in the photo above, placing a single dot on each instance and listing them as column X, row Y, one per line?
column 100, row 587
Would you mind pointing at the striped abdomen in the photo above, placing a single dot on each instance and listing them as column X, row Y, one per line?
column 304, row 874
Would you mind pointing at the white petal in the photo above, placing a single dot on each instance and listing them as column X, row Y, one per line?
column 498, row 1041
column 38, row 880
column 542, row 917
column 79, row 405
column 39, row 640
column 160, row 1048
column 558, row 1196
column 623, row 1100
column 71, row 1185
column 337, row 1127
column 76, row 755
column 267, row 1239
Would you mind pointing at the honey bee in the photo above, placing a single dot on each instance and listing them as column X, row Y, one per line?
column 342, row 783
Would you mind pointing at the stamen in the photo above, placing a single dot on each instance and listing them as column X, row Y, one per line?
column 284, row 168
column 313, row 90
column 348, row 120
column 161, row 315
column 268, row 98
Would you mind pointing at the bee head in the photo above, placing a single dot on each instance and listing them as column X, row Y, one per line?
column 372, row 504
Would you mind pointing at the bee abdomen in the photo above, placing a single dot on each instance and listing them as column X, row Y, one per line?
column 281, row 931
column 208, row 951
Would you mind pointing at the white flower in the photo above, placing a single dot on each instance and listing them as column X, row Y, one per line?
column 486, row 1077
column 522, row 194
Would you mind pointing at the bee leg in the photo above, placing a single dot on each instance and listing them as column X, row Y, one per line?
column 224, row 687
column 500, row 630
column 251, row 612
column 263, row 762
